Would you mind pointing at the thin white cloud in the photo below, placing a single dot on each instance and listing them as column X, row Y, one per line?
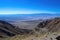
column 22, row 11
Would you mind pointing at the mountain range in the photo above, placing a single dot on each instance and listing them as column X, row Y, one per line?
column 45, row 26
column 27, row 17
column 22, row 24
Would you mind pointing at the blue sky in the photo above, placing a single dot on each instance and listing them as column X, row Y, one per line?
column 29, row 6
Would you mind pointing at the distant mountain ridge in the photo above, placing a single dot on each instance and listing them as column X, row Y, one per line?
column 36, row 16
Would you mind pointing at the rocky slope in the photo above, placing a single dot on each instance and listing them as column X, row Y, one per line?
column 8, row 30
column 46, row 27
column 49, row 26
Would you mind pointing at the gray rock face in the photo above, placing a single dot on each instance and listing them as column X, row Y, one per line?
column 58, row 38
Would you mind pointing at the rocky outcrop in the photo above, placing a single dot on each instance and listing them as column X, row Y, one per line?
column 58, row 38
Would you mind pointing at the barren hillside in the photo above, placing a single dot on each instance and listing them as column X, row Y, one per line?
column 46, row 29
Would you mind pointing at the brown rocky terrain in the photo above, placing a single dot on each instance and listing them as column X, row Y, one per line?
column 49, row 27
column 44, row 28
